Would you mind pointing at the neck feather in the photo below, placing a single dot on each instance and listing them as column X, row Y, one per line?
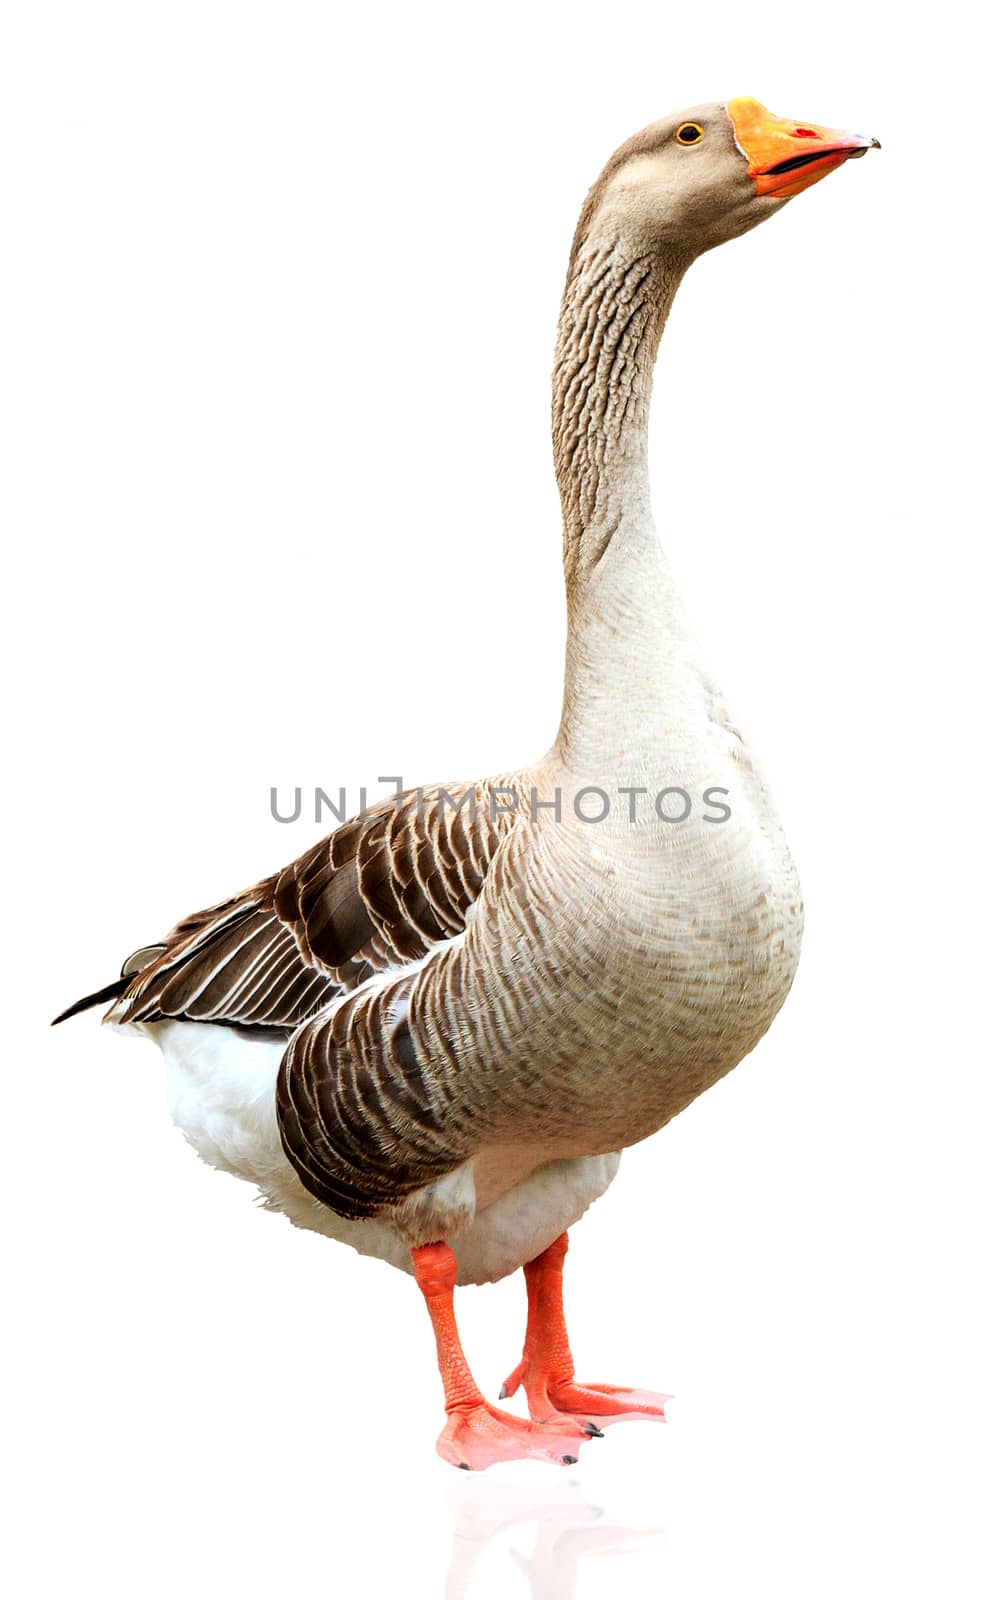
column 614, row 307
column 627, row 633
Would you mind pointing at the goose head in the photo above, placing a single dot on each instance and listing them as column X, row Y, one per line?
column 693, row 180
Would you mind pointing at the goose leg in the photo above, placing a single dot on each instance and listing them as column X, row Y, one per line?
column 546, row 1368
column 477, row 1434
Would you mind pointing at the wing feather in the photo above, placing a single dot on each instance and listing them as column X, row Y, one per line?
column 383, row 890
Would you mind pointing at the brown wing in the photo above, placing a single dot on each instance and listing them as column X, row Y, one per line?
column 380, row 891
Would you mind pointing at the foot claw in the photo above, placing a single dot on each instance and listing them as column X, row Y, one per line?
column 592, row 1431
column 512, row 1382
column 570, row 1461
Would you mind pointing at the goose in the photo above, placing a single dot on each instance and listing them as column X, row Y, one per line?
column 432, row 1035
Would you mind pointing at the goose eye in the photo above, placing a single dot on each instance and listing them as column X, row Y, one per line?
column 689, row 133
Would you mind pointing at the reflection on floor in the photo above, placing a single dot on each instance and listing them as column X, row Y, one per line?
column 567, row 1528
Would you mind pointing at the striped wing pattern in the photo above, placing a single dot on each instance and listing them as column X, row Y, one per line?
column 381, row 891
column 360, row 1119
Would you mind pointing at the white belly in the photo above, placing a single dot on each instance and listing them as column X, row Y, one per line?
column 220, row 1084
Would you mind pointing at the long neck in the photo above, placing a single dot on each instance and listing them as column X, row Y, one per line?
column 625, row 620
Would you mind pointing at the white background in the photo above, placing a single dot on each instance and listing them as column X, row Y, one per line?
column 280, row 285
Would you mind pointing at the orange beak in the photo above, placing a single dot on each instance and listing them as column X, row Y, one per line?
column 785, row 157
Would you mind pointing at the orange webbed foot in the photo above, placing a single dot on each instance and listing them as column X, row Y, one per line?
column 601, row 1403
column 478, row 1436
column 546, row 1368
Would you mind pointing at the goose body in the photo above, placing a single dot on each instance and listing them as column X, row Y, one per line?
column 667, row 971
column 432, row 1035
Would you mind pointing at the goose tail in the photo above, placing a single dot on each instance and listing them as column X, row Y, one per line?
column 111, row 992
